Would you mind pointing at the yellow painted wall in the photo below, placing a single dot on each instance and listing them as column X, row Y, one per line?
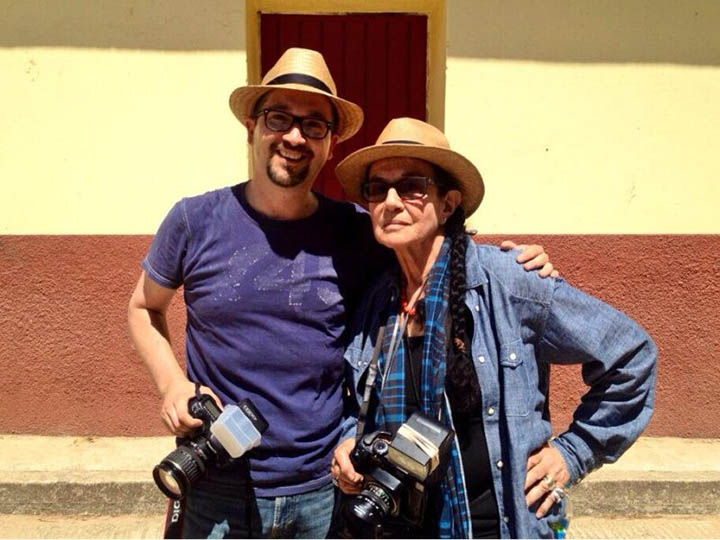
column 584, row 117
column 111, row 110
column 588, row 117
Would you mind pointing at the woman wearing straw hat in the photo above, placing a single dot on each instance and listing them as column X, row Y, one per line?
column 468, row 340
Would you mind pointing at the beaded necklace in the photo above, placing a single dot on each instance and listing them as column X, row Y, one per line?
column 407, row 310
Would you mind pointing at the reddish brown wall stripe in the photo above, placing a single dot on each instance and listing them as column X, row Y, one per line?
column 69, row 368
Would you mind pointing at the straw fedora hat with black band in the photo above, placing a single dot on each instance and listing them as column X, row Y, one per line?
column 409, row 137
column 299, row 70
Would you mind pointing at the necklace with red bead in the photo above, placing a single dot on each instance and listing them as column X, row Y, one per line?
column 410, row 307
column 406, row 312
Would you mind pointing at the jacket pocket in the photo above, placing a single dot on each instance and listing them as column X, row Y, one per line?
column 514, row 379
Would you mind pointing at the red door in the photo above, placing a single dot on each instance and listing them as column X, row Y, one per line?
column 378, row 61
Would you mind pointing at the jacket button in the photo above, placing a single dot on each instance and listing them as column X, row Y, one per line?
column 500, row 464
column 513, row 356
column 481, row 359
column 491, row 411
column 477, row 307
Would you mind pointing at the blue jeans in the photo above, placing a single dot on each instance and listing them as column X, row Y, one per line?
column 220, row 506
column 306, row 515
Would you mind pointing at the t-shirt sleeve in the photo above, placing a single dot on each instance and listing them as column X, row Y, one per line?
column 164, row 261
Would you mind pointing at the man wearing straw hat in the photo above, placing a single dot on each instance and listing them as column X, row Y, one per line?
column 270, row 270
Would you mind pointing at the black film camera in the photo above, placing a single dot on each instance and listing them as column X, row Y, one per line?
column 398, row 471
column 224, row 436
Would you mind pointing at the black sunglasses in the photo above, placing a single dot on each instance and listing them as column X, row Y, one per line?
column 310, row 127
column 408, row 188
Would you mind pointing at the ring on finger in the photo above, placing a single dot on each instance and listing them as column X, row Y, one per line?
column 334, row 481
column 549, row 482
column 558, row 494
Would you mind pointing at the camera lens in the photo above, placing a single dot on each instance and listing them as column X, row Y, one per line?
column 371, row 508
column 166, row 478
column 179, row 470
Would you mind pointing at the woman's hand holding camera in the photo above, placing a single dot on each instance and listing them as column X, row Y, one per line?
column 174, row 410
column 546, row 476
column 342, row 471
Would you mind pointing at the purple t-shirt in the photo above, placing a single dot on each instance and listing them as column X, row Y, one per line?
column 267, row 305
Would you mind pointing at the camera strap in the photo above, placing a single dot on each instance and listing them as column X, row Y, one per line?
column 401, row 322
column 398, row 332
column 174, row 519
column 370, row 382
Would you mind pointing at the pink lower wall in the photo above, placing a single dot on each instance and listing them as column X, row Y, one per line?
column 69, row 368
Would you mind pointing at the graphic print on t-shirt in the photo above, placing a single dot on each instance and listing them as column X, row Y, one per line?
column 293, row 280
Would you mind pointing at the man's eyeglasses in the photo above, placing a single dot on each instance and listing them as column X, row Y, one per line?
column 280, row 121
column 408, row 188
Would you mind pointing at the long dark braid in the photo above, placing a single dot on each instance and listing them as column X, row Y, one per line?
column 460, row 380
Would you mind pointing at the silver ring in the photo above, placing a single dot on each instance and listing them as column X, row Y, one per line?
column 548, row 482
column 334, row 481
column 558, row 494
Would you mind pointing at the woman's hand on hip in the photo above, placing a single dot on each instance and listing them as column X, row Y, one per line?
column 546, row 472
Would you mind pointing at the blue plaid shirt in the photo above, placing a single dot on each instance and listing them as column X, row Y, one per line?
column 522, row 325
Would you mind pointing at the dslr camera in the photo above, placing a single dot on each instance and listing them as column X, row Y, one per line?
column 398, row 472
column 223, row 437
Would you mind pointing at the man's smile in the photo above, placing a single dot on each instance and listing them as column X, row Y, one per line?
column 292, row 156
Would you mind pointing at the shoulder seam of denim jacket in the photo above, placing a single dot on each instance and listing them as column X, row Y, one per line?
column 546, row 312
column 475, row 277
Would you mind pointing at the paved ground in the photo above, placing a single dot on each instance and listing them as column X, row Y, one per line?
column 23, row 526
column 655, row 527
column 19, row 526
column 112, row 476
column 48, row 485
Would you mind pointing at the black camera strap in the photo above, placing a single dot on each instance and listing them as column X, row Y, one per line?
column 370, row 383
column 175, row 515
column 174, row 519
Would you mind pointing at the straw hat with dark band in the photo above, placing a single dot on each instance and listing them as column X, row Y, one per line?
column 408, row 137
column 299, row 70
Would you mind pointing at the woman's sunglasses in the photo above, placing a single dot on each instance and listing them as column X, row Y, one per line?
column 408, row 188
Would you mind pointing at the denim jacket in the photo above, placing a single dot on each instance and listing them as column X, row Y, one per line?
column 522, row 325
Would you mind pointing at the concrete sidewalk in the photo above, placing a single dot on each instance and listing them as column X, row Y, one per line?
column 134, row 526
column 112, row 477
